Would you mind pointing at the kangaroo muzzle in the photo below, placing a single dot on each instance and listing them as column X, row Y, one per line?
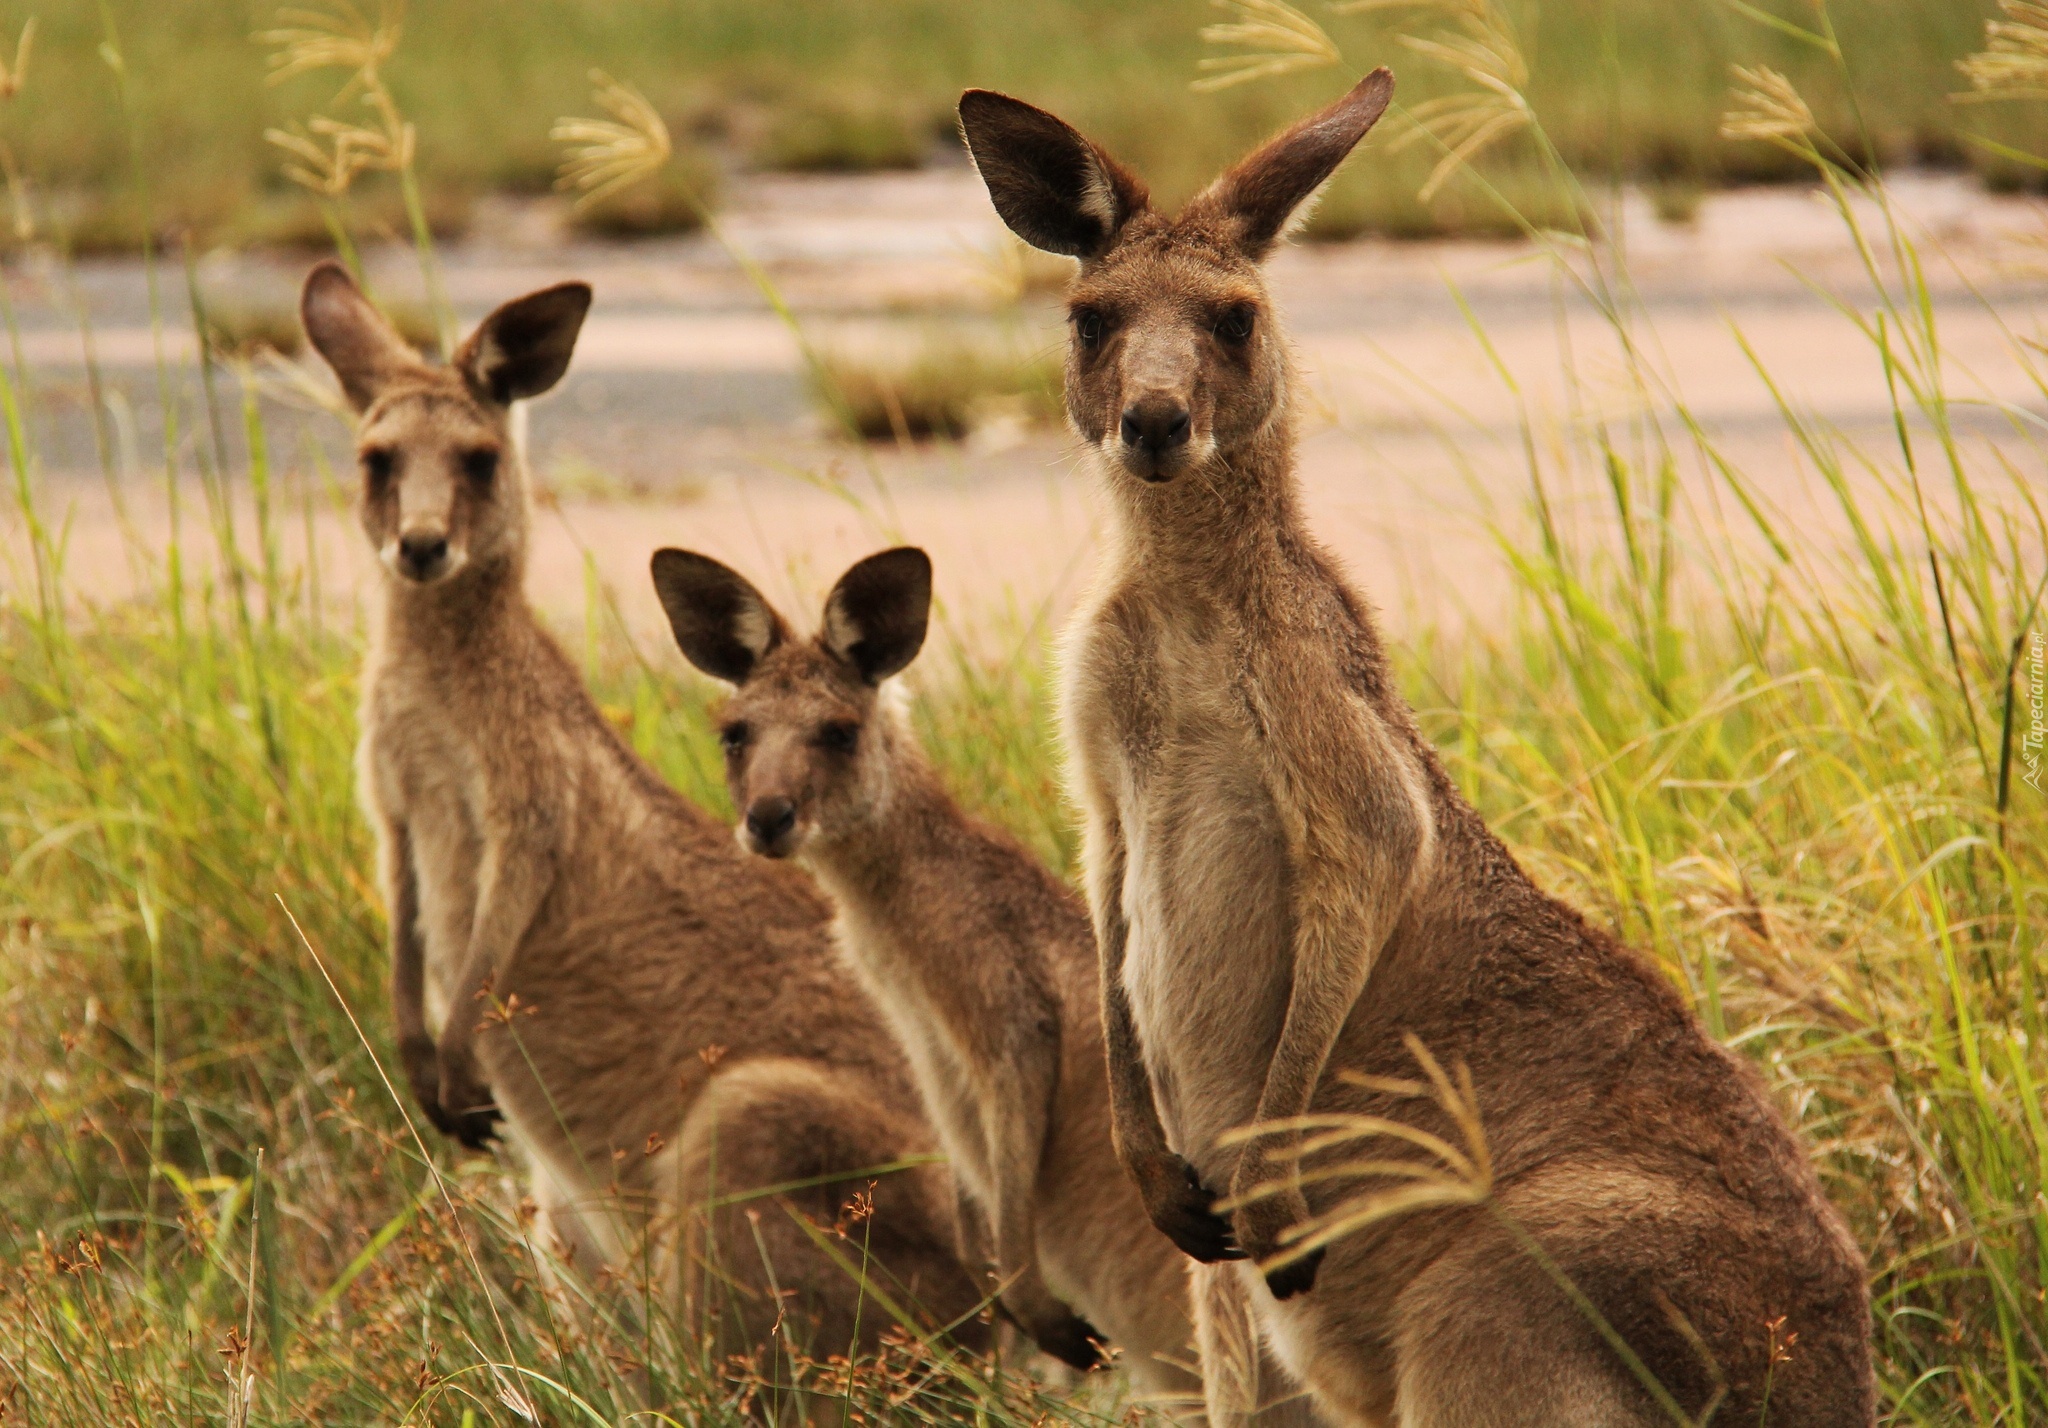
column 423, row 555
column 770, row 827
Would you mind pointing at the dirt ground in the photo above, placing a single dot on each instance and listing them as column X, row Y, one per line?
column 685, row 420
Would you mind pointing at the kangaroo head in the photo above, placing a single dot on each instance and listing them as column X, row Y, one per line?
column 1174, row 359
column 442, row 491
column 809, row 746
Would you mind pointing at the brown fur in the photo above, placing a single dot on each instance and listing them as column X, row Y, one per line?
column 1285, row 884
column 983, row 962
column 651, row 1014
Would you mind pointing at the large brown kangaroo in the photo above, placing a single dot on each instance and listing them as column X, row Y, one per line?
column 1286, row 886
column 983, row 963
column 574, row 947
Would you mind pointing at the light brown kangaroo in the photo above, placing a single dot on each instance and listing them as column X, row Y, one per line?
column 654, row 1015
column 983, row 962
column 1285, row 885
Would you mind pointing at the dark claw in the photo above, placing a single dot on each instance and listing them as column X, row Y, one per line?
column 1189, row 1219
column 1296, row 1278
column 1076, row 1343
column 475, row 1126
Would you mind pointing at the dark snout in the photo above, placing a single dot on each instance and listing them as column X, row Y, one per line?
column 1154, row 430
column 770, row 824
column 422, row 555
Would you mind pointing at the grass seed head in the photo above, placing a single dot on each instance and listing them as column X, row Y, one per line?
column 1767, row 108
column 336, row 36
column 2014, row 61
column 325, row 154
column 608, row 155
column 1276, row 37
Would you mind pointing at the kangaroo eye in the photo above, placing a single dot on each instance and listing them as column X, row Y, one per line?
column 378, row 464
column 1235, row 326
column 733, row 737
column 481, row 465
column 1088, row 328
column 839, row 736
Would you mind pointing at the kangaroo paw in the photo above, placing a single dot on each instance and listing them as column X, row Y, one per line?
column 1184, row 1210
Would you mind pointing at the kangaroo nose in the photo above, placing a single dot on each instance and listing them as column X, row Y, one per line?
column 422, row 553
column 1158, row 424
column 770, row 819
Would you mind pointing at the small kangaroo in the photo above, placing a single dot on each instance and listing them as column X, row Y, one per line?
column 983, row 963
column 652, row 1014
column 1286, row 885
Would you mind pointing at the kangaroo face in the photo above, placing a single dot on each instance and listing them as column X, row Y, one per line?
column 1173, row 360
column 1170, row 360
column 441, row 490
column 799, row 753
column 433, row 494
column 806, row 757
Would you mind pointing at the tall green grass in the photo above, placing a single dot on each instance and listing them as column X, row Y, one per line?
column 1791, row 771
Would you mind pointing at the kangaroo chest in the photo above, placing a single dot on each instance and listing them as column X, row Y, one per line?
column 423, row 773
column 1205, row 891
column 954, row 1082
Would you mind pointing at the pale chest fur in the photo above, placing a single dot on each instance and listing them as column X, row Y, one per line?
column 1158, row 718
column 948, row 1075
column 417, row 768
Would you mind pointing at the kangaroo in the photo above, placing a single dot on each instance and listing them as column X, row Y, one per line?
column 576, row 951
column 983, row 963
column 967, row 945
column 1286, row 887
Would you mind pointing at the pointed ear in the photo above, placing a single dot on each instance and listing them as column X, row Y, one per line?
column 875, row 617
column 523, row 348
column 1269, row 187
column 721, row 622
column 346, row 329
column 1056, row 190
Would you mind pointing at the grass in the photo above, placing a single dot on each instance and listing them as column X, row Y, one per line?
column 1363, row 201
column 859, row 134
column 676, row 201
column 1799, row 777
column 945, row 386
column 861, row 83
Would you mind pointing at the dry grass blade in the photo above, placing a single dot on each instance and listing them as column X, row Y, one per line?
column 1456, row 9
column 2014, row 61
column 607, row 155
column 1767, row 108
column 1453, row 1175
column 1464, row 126
column 1476, row 39
column 1278, row 39
column 11, row 76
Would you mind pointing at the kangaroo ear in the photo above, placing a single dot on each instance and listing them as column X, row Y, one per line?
column 722, row 623
column 346, row 329
column 523, row 348
column 1055, row 189
column 1270, row 186
column 875, row 617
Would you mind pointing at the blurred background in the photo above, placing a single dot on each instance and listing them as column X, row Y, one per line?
column 1624, row 87
column 859, row 286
